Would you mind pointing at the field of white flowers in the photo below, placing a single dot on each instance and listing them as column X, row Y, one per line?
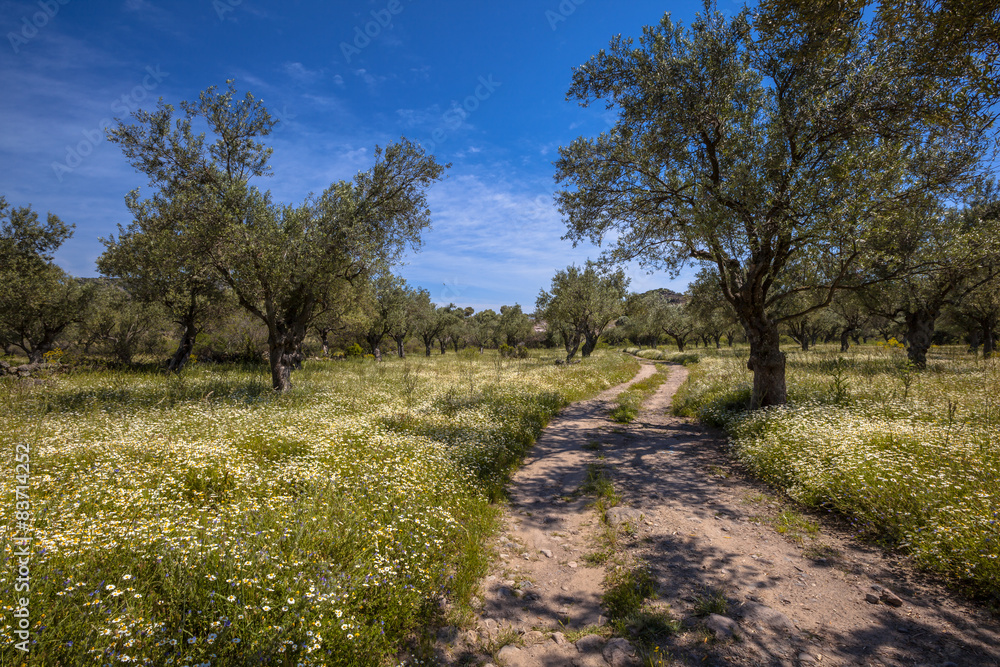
column 200, row 519
column 911, row 457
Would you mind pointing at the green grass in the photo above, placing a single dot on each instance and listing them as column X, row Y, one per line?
column 628, row 589
column 628, row 403
column 793, row 525
column 912, row 458
column 710, row 601
column 202, row 518
column 655, row 354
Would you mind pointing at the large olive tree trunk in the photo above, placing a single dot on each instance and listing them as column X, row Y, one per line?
column 845, row 340
column 428, row 343
column 767, row 362
column 919, row 333
column 284, row 342
column 184, row 347
column 571, row 341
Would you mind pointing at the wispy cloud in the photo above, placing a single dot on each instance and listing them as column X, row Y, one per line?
column 301, row 74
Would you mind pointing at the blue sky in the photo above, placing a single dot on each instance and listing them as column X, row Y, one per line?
column 481, row 85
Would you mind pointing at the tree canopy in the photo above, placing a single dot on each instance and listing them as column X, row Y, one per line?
column 760, row 145
column 282, row 262
column 580, row 305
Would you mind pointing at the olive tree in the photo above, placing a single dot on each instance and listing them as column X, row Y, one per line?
column 281, row 262
column 483, row 329
column 162, row 255
column 431, row 324
column 515, row 326
column 756, row 144
column 38, row 300
column 714, row 315
column 946, row 254
column 580, row 305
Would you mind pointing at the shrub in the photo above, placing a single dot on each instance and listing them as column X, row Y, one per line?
column 510, row 352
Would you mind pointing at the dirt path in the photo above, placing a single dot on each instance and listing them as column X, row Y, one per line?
column 707, row 535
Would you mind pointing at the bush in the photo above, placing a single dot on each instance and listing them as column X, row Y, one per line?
column 509, row 352
column 354, row 351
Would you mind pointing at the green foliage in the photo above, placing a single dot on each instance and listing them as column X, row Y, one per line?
column 623, row 414
column 710, row 601
column 508, row 352
column 580, row 305
column 598, row 484
column 354, row 351
column 788, row 156
column 627, row 591
column 38, row 300
column 284, row 263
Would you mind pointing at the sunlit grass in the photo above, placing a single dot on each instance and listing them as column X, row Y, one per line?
column 629, row 402
column 202, row 519
column 912, row 458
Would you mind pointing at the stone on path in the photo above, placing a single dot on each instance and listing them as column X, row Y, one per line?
column 616, row 516
column 619, row 652
column 890, row 598
column 767, row 617
column 808, row 659
column 512, row 656
column 723, row 627
column 590, row 644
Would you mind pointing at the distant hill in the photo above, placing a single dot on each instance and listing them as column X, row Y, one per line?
column 667, row 295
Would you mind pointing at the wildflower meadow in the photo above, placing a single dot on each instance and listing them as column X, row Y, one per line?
column 911, row 458
column 203, row 519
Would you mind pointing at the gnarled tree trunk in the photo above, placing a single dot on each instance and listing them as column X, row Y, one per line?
column 184, row 348
column 767, row 362
column 284, row 342
column 845, row 342
column 919, row 334
column 571, row 341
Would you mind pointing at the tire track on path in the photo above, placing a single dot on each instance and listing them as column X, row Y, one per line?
column 706, row 529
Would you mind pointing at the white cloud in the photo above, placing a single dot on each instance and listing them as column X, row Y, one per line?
column 495, row 243
column 301, row 73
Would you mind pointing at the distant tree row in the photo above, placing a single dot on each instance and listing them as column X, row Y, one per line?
column 42, row 309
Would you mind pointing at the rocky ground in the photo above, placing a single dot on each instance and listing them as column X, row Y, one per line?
column 736, row 576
